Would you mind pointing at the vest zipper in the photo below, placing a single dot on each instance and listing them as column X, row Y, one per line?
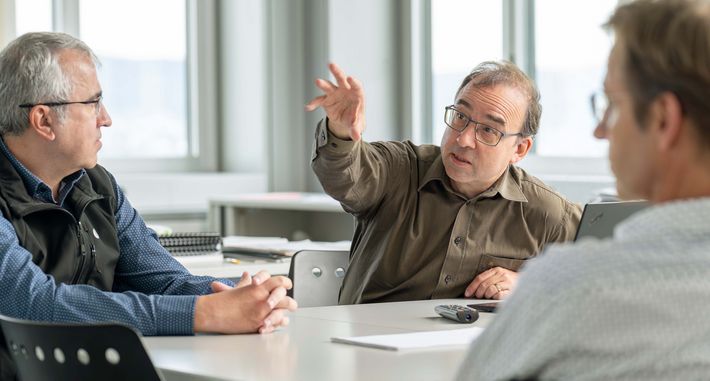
column 82, row 251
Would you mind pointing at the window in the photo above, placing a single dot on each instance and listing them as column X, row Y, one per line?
column 33, row 15
column 571, row 50
column 144, row 74
column 162, row 103
column 464, row 33
column 559, row 43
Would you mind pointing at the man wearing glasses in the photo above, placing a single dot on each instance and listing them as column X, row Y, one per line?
column 441, row 222
column 72, row 249
column 634, row 306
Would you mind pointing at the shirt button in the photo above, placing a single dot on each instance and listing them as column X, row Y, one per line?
column 457, row 241
column 448, row 279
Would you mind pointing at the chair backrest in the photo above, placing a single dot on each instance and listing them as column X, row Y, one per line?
column 56, row 351
column 317, row 276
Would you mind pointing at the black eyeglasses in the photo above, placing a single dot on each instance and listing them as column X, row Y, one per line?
column 600, row 104
column 96, row 102
column 485, row 134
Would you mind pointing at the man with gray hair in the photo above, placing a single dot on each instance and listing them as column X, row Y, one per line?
column 634, row 306
column 72, row 249
column 434, row 222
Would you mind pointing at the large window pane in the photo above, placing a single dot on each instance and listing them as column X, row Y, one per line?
column 33, row 16
column 570, row 57
column 464, row 33
column 142, row 46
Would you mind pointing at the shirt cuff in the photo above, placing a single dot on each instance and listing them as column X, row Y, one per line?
column 175, row 315
column 330, row 144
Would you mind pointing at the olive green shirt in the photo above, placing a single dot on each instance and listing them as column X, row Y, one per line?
column 416, row 237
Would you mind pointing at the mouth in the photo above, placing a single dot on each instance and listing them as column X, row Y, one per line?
column 458, row 160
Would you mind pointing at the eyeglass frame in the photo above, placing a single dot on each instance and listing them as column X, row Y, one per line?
column 599, row 111
column 96, row 102
column 477, row 124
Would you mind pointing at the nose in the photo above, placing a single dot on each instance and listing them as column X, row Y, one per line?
column 103, row 119
column 600, row 132
column 467, row 137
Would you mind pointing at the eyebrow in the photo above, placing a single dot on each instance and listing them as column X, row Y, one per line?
column 493, row 118
column 97, row 95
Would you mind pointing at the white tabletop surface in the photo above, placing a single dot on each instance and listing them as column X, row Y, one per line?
column 303, row 350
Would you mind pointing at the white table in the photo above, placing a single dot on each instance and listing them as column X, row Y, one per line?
column 292, row 215
column 303, row 350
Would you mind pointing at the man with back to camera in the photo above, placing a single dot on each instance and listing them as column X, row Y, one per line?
column 635, row 306
column 72, row 249
column 444, row 222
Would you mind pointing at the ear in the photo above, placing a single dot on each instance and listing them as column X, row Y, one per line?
column 43, row 122
column 522, row 148
column 666, row 120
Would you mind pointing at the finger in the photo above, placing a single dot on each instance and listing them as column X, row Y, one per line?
column 260, row 277
column 245, row 280
column 477, row 282
column 275, row 318
column 219, row 287
column 355, row 84
column 502, row 295
column 325, row 85
column 339, row 76
column 275, row 296
column 315, row 103
column 287, row 303
column 491, row 291
column 278, row 281
column 486, row 285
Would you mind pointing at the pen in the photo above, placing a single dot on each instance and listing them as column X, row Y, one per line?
column 233, row 261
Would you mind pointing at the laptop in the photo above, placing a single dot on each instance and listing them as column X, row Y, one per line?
column 599, row 219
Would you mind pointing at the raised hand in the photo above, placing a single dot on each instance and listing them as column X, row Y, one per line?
column 344, row 104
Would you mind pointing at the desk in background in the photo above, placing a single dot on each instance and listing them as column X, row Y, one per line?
column 296, row 216
column 303, row 350
column 225, row 269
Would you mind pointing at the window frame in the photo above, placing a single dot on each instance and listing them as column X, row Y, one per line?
column 202, row 99
column 518, row 47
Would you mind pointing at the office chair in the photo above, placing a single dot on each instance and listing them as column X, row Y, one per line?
column 54, row 351
column 317, row 276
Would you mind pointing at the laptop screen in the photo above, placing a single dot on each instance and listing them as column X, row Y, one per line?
column 599, row 219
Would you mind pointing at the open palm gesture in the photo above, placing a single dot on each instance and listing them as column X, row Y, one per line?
column 344, row 104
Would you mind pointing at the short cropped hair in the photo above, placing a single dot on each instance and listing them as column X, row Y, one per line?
column 493, row 73
column 667, row 49
column 30, row 73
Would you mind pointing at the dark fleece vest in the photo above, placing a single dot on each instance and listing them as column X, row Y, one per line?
column 76, row 245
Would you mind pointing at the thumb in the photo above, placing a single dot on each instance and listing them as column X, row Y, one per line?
column 219, row 287
column 244, row 281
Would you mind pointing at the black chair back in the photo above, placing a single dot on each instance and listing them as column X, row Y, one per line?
column 55, row 351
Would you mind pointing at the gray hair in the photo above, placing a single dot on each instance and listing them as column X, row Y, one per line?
column 30, row 73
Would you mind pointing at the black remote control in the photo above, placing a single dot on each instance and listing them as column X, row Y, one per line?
column 455, row 312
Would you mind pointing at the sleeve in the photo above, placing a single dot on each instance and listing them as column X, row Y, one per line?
column 527, row 333
column 358, row 174
column 29, row 293
column 144, row 265
column 567, row 228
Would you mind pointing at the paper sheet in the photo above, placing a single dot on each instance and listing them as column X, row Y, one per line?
column 414, row 340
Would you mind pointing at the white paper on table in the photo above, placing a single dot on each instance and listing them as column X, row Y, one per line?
column 414, row 340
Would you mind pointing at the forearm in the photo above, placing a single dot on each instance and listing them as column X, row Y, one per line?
column 353, row 173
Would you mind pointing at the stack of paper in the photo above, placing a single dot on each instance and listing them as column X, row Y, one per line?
column 276, row 246
column 414, row 340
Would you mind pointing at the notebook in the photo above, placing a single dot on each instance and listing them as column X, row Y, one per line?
column 599, row 219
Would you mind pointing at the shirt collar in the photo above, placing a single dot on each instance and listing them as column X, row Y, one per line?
column 507, row 185
column 679, row 218
column 35, row 187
